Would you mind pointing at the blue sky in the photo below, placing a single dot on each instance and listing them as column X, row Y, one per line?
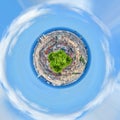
column 10, row 9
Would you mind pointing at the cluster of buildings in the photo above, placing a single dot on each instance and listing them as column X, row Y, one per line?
column 72, row 45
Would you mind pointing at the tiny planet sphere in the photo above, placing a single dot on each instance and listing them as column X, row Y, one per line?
column 60, row 56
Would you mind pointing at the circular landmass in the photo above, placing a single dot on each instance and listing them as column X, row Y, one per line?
column 60, row 56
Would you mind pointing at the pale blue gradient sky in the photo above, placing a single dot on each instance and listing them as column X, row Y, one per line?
column 110, row 108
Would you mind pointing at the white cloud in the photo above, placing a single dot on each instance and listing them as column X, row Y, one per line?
column 110, row 107
column 83, row 4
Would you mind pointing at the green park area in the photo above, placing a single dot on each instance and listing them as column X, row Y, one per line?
column 59, row 60
column 82, row 60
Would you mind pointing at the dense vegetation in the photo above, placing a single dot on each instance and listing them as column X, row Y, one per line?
column 59, row 60
column 82, row 60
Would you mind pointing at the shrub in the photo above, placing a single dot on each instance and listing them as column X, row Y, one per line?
column 59, row 60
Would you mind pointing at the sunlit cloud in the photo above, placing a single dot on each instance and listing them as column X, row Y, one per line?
column 109, row 109
column 83, row 4
column 109, row 60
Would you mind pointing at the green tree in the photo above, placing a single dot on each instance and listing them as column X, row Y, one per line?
column 59, row 60
column 82, row 59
